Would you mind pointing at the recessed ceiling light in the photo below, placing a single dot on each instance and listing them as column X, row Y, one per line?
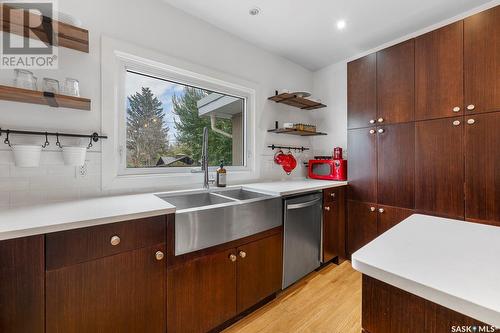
column 254, row 11
column 341, row 24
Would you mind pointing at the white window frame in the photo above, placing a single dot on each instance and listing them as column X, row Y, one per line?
column 116, row 58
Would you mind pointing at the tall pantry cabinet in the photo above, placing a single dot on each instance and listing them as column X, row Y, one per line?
column 423, row 129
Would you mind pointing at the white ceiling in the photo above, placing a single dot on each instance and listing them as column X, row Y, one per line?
column 305, row 32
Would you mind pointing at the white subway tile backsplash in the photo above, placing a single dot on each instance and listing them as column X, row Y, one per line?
column 14, row 184
column 25, row 198
column 4, row 170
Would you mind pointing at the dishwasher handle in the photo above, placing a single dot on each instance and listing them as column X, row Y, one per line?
column 303, row 204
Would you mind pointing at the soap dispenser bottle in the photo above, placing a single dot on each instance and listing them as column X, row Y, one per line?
column 221, row 175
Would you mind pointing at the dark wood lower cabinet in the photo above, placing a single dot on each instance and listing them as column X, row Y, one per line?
column 389, row 216
column 201, row 293
column 205, row 292
column 361, row 224
column 22, row 276
column 334, row 224
column 387, row 309
column 366, row 221
column 259, row 271
column 120, row 293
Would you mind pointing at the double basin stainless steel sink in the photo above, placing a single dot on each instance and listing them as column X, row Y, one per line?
column 207, row 218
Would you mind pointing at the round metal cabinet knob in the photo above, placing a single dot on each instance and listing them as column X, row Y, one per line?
column 456, row 122
column 327, row 208
column 159, row 255
column 381, row 130
column 471, row 107
column 372, row 131
column 115, row 240
column 470, row 121
column 381, row 210
column 232, row 257
column 372, row 121
column 332, row 195
column 242, row 254
column 372, row 208
column 456, row 109
column 380, row 120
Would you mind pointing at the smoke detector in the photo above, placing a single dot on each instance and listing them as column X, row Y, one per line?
column 254, row 11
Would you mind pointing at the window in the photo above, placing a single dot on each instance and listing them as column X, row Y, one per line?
column 165, row 121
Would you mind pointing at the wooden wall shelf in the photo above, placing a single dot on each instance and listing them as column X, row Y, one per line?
column 292, row 131
column 296, row 101
column 43, row 98
column 66, row 35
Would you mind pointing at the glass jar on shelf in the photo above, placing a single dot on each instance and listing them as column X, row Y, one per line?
column 72, row 87
column 24, row 79
column 50, row 85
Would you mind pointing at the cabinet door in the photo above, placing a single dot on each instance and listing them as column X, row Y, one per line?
column 361, row 224
column 482, row 168
column 120, row 293
column 396, row 165
column 439, row 171
column 482, row 61
column 389, row 216
column 333, row 224
column 201, row 293
column 439, row 73
column 362, row 159
column 361, row 91
column 259, row 271
column 22, row 285
column 396, row 83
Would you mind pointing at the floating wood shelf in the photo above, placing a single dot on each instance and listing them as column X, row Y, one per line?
column 66, row 35
column 292, row 131
column 44, row 98
column 296, row 101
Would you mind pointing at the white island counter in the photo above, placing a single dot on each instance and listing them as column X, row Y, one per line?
column 453, row 263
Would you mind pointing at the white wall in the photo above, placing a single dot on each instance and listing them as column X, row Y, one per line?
column 330, row 85
column 154, row 25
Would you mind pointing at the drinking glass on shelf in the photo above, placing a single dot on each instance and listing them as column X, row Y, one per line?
column 24, row 79
column 72, row 87
column 50, row 85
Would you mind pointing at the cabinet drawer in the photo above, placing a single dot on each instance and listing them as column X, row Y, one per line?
column 76, row 246
column 331, row 194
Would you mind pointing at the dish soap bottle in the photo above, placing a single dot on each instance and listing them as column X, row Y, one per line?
column 221, row 175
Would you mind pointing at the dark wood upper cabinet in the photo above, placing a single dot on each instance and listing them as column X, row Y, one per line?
column 389, row 216
column 396, row 165
column 334, row 224
column 482, row 61
column 439, row 171
column 22, row 285
column 439, row 73
column 362, row 156
column 201, row 293
column 396, row 83
column 361, row 91
column 259, row 270
column 361, row 224
column 482, row 168
column 120, row 293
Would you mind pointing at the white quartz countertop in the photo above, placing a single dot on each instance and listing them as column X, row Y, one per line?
column 290, row 187
column 34, row 220
column 453, row 263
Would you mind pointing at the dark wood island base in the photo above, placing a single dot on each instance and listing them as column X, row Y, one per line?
column 387, row 309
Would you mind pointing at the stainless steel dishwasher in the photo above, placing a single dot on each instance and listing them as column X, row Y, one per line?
column 302, row 236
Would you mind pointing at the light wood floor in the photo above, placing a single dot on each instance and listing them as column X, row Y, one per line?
column 327, row 301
